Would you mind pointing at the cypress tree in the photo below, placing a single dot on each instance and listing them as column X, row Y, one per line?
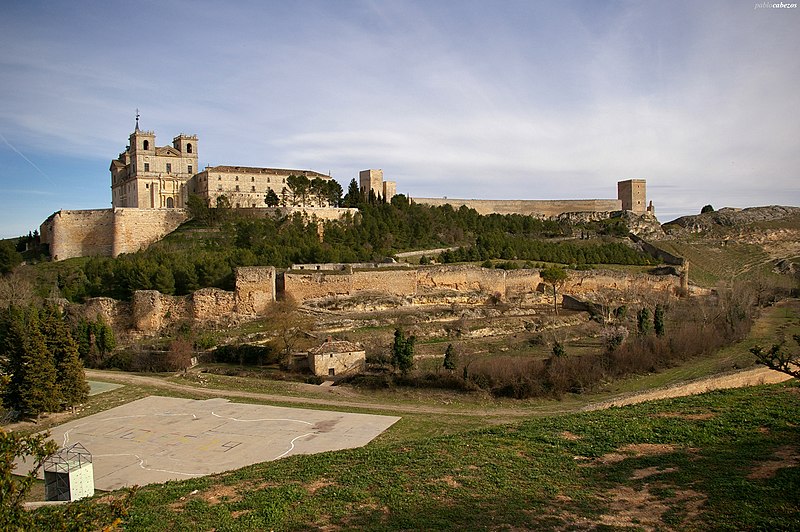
column 658, row 320
column 643, row 321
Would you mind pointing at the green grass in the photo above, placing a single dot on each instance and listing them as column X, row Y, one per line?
column 702, row 459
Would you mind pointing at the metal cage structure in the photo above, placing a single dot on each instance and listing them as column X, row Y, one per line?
column 69, row 474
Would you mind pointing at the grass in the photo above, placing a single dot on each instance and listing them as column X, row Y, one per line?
column 704, row 461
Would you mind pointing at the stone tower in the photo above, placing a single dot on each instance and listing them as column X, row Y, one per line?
column 633, row 195
column 371, row 180
column 146, row 176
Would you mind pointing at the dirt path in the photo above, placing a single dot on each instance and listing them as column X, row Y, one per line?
column 739, row 379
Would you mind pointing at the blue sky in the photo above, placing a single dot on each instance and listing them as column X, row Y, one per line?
column 467, row 99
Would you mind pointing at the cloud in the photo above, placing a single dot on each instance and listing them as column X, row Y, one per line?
column 475, row 99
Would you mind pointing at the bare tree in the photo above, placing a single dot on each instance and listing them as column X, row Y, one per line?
column 779, row 359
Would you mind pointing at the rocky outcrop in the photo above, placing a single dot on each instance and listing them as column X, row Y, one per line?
column 729, row 220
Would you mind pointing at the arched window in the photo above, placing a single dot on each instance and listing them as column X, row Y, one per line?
column 170, row 203
column 189, row 148
column 146, row 145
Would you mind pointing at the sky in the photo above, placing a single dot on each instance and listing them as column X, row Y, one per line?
column 494, row 99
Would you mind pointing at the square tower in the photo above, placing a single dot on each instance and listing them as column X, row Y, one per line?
column 633, row 195
column 371, row 180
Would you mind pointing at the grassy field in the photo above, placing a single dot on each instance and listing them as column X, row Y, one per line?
column 723, row 460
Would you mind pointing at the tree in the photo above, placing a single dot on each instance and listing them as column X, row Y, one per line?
column 272, row 199
column 9, row 257
column 353, row 196
column 403, row 351
column 558, row 349
column 179, row 354
column 658, row 320
column 779, row 359
column 198, row 209
column 334, row 193
column 555, row 276
column 299, row 186
column 449, row 358
column 28, row 364
column 14, row 488
column 70, row 376
column 287, row 326
column 706, row 208
column 643, row 323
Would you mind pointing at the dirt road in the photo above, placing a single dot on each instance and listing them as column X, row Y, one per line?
column 739, row 379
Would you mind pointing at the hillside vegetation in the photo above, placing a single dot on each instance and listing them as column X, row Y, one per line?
column 197, row 255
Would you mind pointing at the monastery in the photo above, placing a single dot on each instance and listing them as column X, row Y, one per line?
column 150, row 188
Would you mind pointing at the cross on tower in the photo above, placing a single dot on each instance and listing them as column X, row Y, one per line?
column 137, row 119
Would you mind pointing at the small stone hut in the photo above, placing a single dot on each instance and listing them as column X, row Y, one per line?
column 336, row 357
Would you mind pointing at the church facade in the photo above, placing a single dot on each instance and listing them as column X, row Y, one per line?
column 147, row 176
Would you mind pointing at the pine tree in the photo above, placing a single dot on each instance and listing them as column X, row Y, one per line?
column 71, row 382
column 32, row 386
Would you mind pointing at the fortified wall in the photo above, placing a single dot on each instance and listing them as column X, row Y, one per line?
column 543, row 208
column 439, row 282
column 150, row 311
column 111, row 232
column 107, row 232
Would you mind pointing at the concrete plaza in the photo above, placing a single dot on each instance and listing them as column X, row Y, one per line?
column 156, row 439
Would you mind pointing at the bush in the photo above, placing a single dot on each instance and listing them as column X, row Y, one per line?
column 245, row 354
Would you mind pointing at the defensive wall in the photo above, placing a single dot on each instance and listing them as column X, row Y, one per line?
column 543, row 208
column 437, row 282
column 150, row 311
column 107, row 232
column 111, row 232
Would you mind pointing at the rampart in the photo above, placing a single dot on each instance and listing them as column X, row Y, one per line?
column 437, row 282
column 151, row 311
column 543, row 208
column 107, row 232
column 79, row 233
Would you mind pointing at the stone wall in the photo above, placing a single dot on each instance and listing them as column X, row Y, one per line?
column 107, row 232
column 79, row 233
column 543, row 208
column 135, row 229
column 255, row 289
column 429, row 282
column 151, row 311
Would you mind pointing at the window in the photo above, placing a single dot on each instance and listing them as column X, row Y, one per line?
column 169, row 168
column 147, row 185
column 237, row 178
column 170, row 203
column 254, row 205
column 146, row 145
column 146, row 167
column 237, row 188
column 219, row 178
column 189, row 148
column 253, row 188
column 219, row 187
column 190, row 169
column 252, row 178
